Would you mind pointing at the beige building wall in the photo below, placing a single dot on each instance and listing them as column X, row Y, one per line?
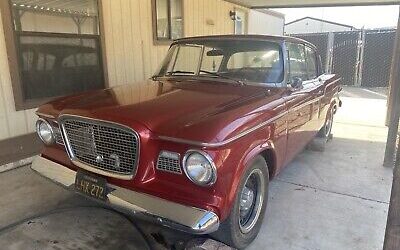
column 12, row 123
column 130, row 52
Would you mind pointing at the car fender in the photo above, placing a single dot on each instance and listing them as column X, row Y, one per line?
column 246, row 160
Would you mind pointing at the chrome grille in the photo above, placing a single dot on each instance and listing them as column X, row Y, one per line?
column 58, row 136
column 105, row 146
column 169, row 162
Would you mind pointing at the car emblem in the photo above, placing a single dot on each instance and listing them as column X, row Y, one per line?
column 116, row 159
column 99, row 159
column 87, row 134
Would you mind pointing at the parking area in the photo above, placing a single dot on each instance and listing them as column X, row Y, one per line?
column 336, row 199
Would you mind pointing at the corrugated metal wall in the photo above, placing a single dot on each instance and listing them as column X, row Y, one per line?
column 131, row 55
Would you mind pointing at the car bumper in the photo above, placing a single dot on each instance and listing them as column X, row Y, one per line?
column 189, row 219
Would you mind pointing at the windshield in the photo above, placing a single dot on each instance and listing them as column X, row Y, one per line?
column 242, row 61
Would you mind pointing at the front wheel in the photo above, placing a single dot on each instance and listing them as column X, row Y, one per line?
column 244, row 222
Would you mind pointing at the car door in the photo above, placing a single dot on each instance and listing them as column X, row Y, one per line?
column 300, row 100
column 315, row 89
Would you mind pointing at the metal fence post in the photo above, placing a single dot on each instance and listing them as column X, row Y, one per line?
column 329, row 56
column 360, row 63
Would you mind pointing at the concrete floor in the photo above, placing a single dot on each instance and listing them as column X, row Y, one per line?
column 337, row 199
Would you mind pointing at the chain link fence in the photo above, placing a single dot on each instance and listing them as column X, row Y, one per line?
column 377, row 59
column 345, row 56
column 361, row 58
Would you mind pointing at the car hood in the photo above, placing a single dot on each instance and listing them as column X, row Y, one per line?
column 208, row 111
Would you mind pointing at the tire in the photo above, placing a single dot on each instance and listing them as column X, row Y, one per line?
column 243, row 224
column 326, row 130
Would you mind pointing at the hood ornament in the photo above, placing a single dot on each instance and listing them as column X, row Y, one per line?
column 99, row 159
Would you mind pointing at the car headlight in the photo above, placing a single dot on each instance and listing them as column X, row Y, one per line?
column 45, row 132
column 199, row 168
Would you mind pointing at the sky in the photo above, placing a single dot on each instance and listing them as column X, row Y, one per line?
column 358, row 16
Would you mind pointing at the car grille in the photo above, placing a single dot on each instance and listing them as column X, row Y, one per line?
column 169, row 162
column 58, row 136
column 101, row 145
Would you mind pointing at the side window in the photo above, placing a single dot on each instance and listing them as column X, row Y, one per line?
column 297, row 61
column 312, row 68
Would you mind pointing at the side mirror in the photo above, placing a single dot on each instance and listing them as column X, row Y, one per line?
column 297, row 83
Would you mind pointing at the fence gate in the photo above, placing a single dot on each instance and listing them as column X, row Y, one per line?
column 361, row 58
column 345, row 56
column 377, row 59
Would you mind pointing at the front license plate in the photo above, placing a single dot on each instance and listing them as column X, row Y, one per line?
column 90, row 185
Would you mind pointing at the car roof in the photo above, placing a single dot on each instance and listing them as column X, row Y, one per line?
column 244, row 37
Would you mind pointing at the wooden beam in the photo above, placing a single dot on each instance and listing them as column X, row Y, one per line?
column 392, row 236
column 394, row 103
column 263, row 4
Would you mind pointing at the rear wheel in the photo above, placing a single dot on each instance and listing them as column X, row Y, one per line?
column 326, row 130
column 244, row 221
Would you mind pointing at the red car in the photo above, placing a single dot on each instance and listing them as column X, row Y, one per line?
column 194, row 147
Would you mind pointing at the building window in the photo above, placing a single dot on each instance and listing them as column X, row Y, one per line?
column 168, row 19
column 57, row 47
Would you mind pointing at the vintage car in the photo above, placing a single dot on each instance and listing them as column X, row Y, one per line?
column 195, row 146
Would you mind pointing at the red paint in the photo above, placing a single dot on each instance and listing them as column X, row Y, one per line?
column 207, row 111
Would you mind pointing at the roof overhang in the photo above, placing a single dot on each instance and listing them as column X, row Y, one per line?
column 262, row 4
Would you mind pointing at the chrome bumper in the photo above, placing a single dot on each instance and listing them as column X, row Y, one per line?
column 167, row 213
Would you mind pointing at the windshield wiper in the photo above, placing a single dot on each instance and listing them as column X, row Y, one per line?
column 180, row 72
column 222, row 76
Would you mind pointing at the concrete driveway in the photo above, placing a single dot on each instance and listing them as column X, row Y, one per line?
column 337, row 199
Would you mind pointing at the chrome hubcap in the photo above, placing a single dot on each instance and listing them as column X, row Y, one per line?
column 328, row 125
column 251, row 200
column 246, row 201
